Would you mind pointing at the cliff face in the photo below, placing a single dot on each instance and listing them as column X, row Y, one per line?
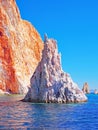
column 49, row 82
column 20, row 49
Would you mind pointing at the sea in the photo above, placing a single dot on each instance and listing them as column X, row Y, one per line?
column 40, row 116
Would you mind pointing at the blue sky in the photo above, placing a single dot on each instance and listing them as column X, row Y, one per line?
column 74, row 24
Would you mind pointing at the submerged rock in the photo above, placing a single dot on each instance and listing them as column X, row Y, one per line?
column 86, row 88
column 49, row 82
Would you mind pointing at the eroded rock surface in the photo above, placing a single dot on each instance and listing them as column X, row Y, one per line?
column 49, row 82
column 20, row 49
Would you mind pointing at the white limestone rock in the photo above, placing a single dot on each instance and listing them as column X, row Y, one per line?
column 50, row 83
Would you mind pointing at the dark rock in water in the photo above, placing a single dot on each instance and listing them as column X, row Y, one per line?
column 86, row 88
column 50, row 83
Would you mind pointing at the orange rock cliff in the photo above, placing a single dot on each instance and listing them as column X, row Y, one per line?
column 20, row 49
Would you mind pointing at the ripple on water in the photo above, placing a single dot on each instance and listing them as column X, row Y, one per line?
column 23, row 115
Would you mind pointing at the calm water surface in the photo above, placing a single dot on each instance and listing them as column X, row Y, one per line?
column 21, row 115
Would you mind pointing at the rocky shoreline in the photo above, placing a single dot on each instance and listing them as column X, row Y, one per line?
column 11, row 97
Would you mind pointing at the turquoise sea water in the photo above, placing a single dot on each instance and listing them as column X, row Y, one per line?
column 21, row 115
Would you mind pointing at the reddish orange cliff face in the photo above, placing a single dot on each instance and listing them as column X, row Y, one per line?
column 20, row 49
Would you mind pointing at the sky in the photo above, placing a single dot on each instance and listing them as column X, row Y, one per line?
column 74, row 24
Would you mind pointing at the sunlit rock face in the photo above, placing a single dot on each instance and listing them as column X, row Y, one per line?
column 49, row 82
column 20, row 49
column 86, row 88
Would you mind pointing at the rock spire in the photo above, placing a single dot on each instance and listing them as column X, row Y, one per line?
column 86, row 88
column 50, row 83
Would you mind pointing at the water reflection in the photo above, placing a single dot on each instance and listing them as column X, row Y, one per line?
column 15, row 115
column 27, row 115
column 21, row 115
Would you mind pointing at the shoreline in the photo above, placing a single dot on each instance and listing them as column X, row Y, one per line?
column 11, row 97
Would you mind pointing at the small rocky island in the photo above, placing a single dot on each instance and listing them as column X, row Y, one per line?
column 86, row 89
column 95, row 91
column 49, row 83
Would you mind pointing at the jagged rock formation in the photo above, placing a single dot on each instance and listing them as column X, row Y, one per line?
column 49, row 83
column 20, row 49
column 86, row 88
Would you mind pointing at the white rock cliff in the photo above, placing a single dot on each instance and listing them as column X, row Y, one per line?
column 50, row 83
